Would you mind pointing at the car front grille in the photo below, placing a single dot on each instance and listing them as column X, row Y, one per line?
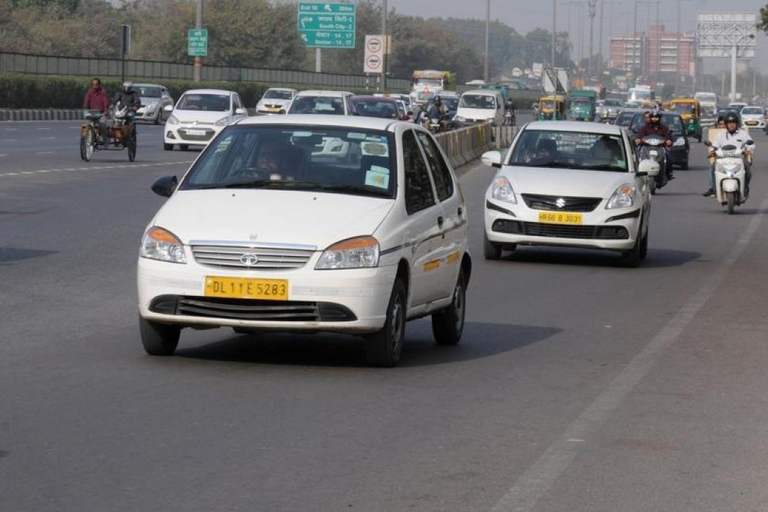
column 256, row 257
column 186, row 136
column 251, row 310
column 561, row 230
column 569, row 204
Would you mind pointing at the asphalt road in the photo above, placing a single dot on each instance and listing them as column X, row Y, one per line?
column 579, row 385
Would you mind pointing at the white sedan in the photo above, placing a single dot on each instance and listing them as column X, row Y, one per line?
column 199, row 115
column 569, row 184
column 273, row 230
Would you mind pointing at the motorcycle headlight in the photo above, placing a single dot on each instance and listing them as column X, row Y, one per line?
column 624, row 197
column 680, row 141
column 730, row 170
column 360, row 252
column 172, row 119
column 162, row 245
column 503, row 191
column 224, row 121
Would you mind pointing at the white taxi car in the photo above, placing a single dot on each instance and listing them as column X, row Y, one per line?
column 337, row 103
column 753, row 117
column 569, row 184
column 273, row 230
column 199, row 115
column 275, row 101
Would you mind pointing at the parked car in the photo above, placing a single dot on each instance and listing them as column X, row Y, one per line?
column 199, row 115
column 275, row 101
column 154, row 98
column 308, row 223
column 322, row 102
column 569, row 184
column 681, row 147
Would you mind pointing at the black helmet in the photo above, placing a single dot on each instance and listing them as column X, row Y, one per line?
column 732, row 117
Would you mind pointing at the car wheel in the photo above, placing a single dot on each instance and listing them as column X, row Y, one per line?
column 684, row 166
column 184, row 147
column 384, row 348
column 157, row 119
column 491, row 250
column 644, row 245
column 631, row 258
column 168, row 147
column 159, row 339
column 448, row 324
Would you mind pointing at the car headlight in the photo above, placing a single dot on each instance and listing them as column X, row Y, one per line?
column 160, row 244
column 503, row 191
column 624, row 197
column 360, row 252
column 172, row 119
column 224, row 121
column 680, row 141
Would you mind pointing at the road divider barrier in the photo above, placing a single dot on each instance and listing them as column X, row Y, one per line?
column 41, row 114
column 465, row 145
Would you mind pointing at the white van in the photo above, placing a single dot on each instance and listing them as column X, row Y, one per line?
column 479, row 106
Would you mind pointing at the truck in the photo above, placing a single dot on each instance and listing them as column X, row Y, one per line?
column 641, row 93
column 583, row 105
column 708, row 102
column 426, row 83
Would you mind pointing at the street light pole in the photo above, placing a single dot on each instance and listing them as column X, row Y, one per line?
column 487, row 37
column 384, row 17
column 198, row 24
column 554, row 30
column 592, row 11
column 634, row 45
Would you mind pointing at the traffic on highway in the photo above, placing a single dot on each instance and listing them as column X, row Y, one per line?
column 537, row 291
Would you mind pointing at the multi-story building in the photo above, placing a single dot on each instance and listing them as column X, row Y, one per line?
column 658, row 52
column 628, row 53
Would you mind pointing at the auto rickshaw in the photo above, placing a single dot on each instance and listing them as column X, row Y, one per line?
column 690, row 111
column 552, row 108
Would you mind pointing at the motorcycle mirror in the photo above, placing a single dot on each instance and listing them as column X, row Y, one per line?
column 165, row 186
column 708, row 143
column 750, row 143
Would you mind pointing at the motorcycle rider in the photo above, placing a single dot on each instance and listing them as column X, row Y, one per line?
column 437, row 111
column 655, row 128
column 97, row 98
column 127, row 96
column 733, row 135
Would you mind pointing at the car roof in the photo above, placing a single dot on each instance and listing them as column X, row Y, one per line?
column 144, row 84
column 485, row 92
column 329, row 94
column 359, row 122
column 281, row 89
column 208, row 91
column 574, row 126
column 375, row 99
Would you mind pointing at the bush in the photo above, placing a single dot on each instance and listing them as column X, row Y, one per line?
column 36, row 91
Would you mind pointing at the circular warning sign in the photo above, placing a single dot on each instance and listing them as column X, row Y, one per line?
column 373, row 63
column 374, row 45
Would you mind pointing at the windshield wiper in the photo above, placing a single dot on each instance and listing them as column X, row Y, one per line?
column 354, row 189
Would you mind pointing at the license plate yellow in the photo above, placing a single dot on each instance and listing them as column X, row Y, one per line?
column 751, row 123
column 244, row 288
column 560, row 218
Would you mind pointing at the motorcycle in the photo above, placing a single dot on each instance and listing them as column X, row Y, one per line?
column 731, row 175
column 509, row 117
column 654, row 148
column 119, row 134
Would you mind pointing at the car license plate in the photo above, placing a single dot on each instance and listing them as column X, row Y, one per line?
column 243, row 288
column 195, row 132
column 273, row 109
column 752, row 123
column 560, row 218
column 653, row 153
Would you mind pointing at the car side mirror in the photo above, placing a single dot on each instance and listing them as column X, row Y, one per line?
column 492, row 159
column 165, row 186
column 649, row 168
column 241, row 112
column 168, row 108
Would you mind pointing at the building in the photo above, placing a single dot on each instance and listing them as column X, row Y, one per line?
column 655, row 52
column 628, row 53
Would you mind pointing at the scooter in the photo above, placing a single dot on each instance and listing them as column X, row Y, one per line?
column 509, row 117
column 653, row 148
column 731, row 175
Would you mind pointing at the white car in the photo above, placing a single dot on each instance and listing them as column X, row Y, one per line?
column 270, row 230
column 275, row 101
column 480, row 106
column 154, row 98
column 322, row 102
column 199, row 115
column 569, row 184
column 753, row 117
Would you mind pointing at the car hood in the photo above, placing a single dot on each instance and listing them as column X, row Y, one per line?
column 149, row 102
column 476, row 113
column 278, row 102
column 271, row 216
column 190, row 116
column 752, row 117
column 565, row 182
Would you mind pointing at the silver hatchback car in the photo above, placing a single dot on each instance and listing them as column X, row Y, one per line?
column 154, row 98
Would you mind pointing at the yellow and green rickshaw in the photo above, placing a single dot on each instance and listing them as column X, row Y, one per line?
column 552, row 108
column 690, row 111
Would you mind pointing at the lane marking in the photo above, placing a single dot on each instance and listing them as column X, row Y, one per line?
column 47, row 138
column 542, row 474
column 44, row 153
column 44, row 128
column 8, row 140
column 11, row 129
column 99, row 168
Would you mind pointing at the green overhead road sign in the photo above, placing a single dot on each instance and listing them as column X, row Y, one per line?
column 197, row 42
column 327, row 25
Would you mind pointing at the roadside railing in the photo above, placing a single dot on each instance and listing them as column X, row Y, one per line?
column 465, row 145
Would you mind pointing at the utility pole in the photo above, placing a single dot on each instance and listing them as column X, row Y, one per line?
column 385, row 15
column 487, row 37
column 634, row 45
column 592, row 11
column 198, row 24
column 600, row 42
column 554, row 30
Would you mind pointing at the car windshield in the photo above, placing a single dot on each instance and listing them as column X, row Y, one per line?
column 308, row 158
column 450, row 103
column 317, row 105
column 752, row 111
column 384, row 108
column 580, row 101
column 149, row 91
column 548, row 104
column 684, row 108
column 481, row 101
column 428, row 82
column 672, row 122
column 625, row 119
column 581, row 151
column 274, row 94
column 612, row 103
column 204, row 102
column 709, row 98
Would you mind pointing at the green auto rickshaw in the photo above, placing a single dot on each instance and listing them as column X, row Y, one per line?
column 690, row 111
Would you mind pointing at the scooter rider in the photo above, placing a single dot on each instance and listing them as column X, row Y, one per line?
column 735, row 136
column 127, row 96
column 655, row 128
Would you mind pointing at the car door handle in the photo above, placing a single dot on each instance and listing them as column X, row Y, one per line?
column 440, row 221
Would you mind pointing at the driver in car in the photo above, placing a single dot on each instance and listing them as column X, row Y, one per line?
column 544, row 153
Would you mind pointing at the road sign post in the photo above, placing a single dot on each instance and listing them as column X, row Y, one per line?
column 197, row 42
column 327, row 25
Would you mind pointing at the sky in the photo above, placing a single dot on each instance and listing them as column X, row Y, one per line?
column 524, row 15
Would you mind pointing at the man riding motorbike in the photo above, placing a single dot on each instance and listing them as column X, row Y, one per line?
column 128, row 97
column 655, row 128
column 97, row 98
column 735, row 136
column 437, row 111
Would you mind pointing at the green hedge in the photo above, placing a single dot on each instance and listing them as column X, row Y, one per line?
column 36, row 91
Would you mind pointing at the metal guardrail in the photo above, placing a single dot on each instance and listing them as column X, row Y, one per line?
column 153, row 70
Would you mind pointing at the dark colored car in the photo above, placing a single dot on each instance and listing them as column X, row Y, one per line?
column 681, row 148
column 625, row 117
column 376, row 106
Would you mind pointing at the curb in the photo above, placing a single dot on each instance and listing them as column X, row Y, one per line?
column 41, row 115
